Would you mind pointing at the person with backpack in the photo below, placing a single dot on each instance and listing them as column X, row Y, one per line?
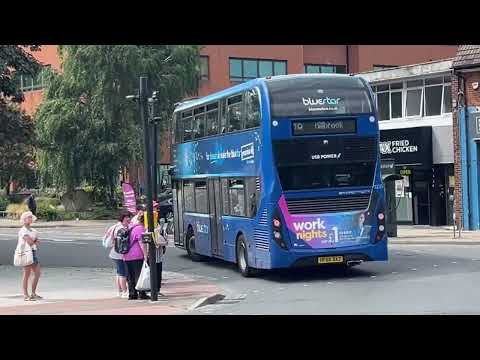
column 117, row 237
column 134, row 259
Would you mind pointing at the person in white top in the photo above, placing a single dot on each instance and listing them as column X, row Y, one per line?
column 29, row 236
column 121, row 278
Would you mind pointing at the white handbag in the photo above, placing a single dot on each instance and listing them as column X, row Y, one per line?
column 143, row 283
column 23, row 255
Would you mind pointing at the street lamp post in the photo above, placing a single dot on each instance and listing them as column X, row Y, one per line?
column 142, row 99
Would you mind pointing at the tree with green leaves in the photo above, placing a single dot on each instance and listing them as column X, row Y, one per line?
column 16, row 128
column 86, row 128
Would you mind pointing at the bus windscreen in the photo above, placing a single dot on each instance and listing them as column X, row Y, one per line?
column 318, row 96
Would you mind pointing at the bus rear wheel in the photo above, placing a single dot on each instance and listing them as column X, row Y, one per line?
column 242, row 258
column 191, row 248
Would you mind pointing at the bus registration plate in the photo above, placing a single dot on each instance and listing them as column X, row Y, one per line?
column 330, row 259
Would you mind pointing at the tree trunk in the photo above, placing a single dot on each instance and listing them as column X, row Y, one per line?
column 7, row 188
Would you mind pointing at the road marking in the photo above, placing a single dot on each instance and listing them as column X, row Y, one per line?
column 394, row 272
column 413, row 269
column 454, row 262
column 373, row 276
column 435, row 265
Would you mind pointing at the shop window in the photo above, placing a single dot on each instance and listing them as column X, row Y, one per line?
column 201, row 197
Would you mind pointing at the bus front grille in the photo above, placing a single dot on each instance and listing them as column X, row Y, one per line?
column 327, row 205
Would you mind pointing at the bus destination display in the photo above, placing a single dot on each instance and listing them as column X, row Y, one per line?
column 321, row 127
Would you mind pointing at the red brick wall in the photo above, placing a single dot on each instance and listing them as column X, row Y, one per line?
column 457, row 169
column 472, row 98
column 365, row 56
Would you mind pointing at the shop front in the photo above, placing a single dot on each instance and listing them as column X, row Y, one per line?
column 423, row 196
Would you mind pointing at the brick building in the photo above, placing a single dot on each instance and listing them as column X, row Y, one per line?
column 466, row 134
column 226, row 65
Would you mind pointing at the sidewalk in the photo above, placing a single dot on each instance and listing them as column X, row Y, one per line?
column 423, row 234
column 76, row 291
column 8, row 223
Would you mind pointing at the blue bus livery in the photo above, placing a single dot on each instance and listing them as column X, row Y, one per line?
column 279, row 172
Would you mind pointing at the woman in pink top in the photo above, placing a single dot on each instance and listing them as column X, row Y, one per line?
column 134, row 260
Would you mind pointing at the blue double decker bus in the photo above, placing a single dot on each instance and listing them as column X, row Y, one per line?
column 278, row 172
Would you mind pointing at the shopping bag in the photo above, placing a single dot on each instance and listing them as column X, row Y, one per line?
column 143, row 283
column 107, row 240
column 23, row 255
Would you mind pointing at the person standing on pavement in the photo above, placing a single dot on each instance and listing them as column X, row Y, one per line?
column 121, row 277
column 134, row 259
column 29, row 236
column 32, row 204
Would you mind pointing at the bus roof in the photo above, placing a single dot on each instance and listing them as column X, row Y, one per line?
column 187, row 104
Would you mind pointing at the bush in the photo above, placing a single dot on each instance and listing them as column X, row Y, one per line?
column 14, row 211
column 46, row 201
column 49, row 212
column 3, row 202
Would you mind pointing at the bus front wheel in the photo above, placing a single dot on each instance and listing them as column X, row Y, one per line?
column 242, row 258
column 191, row 248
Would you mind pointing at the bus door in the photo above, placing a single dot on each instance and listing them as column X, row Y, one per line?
column 216, row 227
column 177, row 198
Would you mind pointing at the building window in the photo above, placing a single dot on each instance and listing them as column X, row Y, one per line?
column 433, row 96
column 204, row 69
column 248, row 69
column 383, row 67
column 425, row 97
column 29, row 83
column 320, row 69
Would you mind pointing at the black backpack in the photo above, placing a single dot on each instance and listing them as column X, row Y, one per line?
column 122, row 241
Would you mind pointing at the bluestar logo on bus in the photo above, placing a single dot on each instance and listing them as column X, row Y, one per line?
column 320, row 101
column 247, row 151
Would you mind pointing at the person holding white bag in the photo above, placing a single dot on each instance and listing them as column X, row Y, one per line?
column 26, row 255
column 134, row 260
